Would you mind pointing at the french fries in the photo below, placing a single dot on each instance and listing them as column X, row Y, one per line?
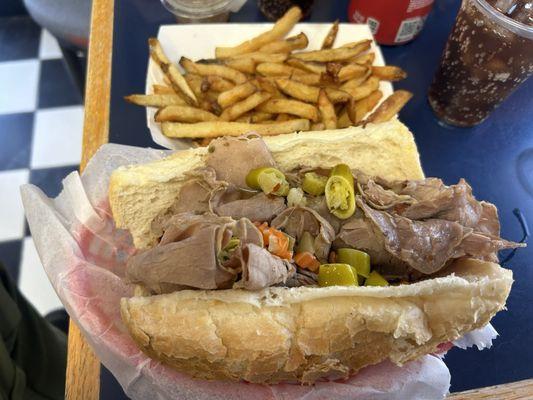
column 293, row 107
column 177, row 81
column 195, row 83
column 229, row 97
column 162, row 89
column 244, row 65
column 223, row 128
column 259, row 57
column 213, row 69
column 338, row 54
column 183, row 114
column 309, row 93
column 298, row 90
column 390, row 107
column 280, row 29
column 312, row 67
column 351, row 71
column 331, row 36
column 327, row 112
column 155, row 100
column 358, row 109
column 292, row 43
column 389, row 73
column 238, row 109
column 361, row 91
column 344, row 120
column 275, row 69
column 216, row 83
column 272, row 84
column 318, row 126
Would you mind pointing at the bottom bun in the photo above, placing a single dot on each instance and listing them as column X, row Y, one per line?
column 305, row 334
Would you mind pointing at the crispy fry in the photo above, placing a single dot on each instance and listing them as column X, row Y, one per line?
column 337, row 96
column 338, row 54
column 244, row 65
column 293, row 107
column 351, row 71
column 313, row 67
column 283, row 117
column 308, row 93
column 217, row 83
column 247, row 118
column 237, row 109
column 298, row 90
column 364, row 89
column 308, row 79
column 317, row 126
column 170, row 70
column 327, row 112
column 268, row 84
column 259, row 57
column 258, row 116
column 195, row 83
column 183, row 114
column 211, row 106
column 390, row 107
column 223, row 128
column 279, row 30
column 155, row 100
column 332, row 71
column 365, row 59
column 274, row 69
column 344, row 121
column 331, row 36
column 162, row 89
column 358, row 109
column 213, row 69
column 389, row 73
column 292, row 43
column 229, row 97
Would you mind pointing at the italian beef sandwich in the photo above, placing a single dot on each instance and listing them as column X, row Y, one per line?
column 303, row 257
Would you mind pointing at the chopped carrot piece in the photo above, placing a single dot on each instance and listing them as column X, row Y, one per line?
column 307, row 260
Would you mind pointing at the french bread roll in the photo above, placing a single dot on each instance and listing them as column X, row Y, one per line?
column 305, row 334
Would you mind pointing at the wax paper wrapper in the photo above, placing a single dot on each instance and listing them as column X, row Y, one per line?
column 84, row 256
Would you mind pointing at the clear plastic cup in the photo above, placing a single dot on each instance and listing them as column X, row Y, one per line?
column 201, row 11
column 487, row 56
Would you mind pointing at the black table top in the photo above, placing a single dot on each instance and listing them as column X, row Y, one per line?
column 496, row 158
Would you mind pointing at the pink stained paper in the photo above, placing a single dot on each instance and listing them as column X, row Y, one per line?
column 84, row 257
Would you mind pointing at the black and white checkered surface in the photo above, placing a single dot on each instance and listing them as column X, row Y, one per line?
column 41, row 116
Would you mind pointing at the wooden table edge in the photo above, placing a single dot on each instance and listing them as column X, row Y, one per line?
column 83, row 368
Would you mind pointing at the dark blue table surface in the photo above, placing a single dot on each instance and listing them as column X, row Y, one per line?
column 496, row 158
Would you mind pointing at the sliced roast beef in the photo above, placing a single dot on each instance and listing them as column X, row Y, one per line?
column 233, row 157
column 237, row 203
column 186, row 257
column 296, row 220
column 380, row 198
column 261, row 269
column 302, row 277
column 483, row 246
column 188, row 254
column 318, row 204
column 193, row 196
column 425, row 246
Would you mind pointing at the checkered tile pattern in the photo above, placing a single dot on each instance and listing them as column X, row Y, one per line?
column 41, row 116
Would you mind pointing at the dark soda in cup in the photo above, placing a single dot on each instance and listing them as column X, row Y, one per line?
column 488, row 54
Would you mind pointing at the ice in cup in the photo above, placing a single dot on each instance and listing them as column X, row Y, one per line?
column 489, row 53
